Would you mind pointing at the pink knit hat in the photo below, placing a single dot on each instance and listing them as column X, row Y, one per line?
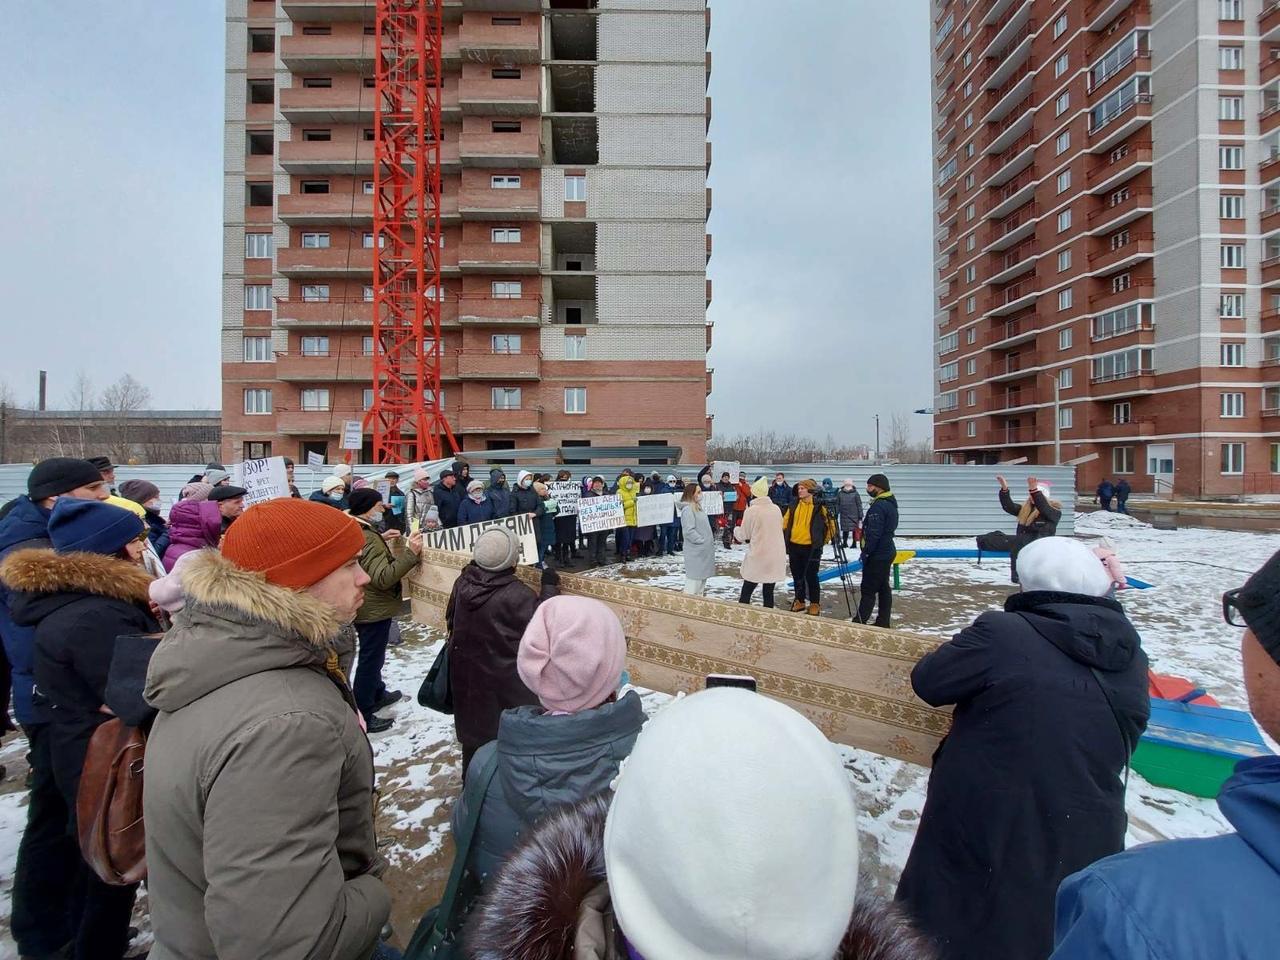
column 572, row 654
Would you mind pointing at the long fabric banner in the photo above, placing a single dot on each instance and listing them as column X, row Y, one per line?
column 852, row 681
column 463, row 539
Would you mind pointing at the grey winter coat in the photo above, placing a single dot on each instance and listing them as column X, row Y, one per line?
column 699, row 544
column 849, row 503
column 259, row 790
column 544, row 762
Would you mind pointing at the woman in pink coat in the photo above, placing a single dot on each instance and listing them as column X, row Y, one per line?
column 761, row 530
column 193, row 524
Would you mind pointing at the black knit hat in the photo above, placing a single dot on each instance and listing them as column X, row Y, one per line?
column 102, row 463
column 59, row 475
column 362, row 501
column 1259, row 604
column 878, row 480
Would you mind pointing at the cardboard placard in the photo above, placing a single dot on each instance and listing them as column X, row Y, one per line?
column 384, row 490
column 352, row 435
column 315, row 459
column 720, row 467
column 655, row 510
column 463, row 539
column 712, row 503
column 567, row 493
column 262, row 479
column 601, row 513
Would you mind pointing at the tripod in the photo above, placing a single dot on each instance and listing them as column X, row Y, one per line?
column 842, row 563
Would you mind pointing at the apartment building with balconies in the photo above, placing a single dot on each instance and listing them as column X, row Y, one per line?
column 1108, row 239
column 574, row 290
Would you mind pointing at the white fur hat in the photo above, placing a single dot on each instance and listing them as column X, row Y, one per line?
column 342, row 470
column 733, row 832
column 1062, row 565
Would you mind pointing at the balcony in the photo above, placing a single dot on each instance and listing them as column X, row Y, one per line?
column 1269, row 22
column 1269, row 167
column 1012, row 195
column 499, row 257
column 473, row 420
column 1125, row 384
column 1139, row 334
column 480, row 39
column 324, row 11
column 1114, row 215
column 1269, row 119
column 1016, row 365
column 1014, row 332
column 1000, row 37
column 480, row 146
column 1134, row 428
column 1015, row 228
column 998, row 9
column 710, row 327
column 1000, row 136
column 710, row 380
column 293, row 367
column 1016, row 297
column 1270, row 271
column 1270, row 321
column 1012, row 264
column 1013, row 54
column 487, row 311
column 322, row 423
column 1270, row 66
column 327, row 156
column 502, row 98
column 343, row 53
column 1116, row 170
column 1100, row 13
column 1140, row 247
column 478, row 365
column 1121, row 125
column 1008, row 436
column 1003, row 167
column 1110, row 299
column 342, row 103
column 478, row 201
column 1271, row 219
column 326, row 262
column 1001, row 101
column 327, row 313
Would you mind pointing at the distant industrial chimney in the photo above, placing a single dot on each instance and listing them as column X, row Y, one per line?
column 44, row 377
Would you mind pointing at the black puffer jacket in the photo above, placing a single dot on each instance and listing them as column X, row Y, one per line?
column 447, row 502
column 1028, row 787
column 486, row 615
column 78, row 604
column 544, row 762
column 879, row 526
column 1044, row 525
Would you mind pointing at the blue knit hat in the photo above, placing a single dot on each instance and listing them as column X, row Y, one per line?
column 91, row 526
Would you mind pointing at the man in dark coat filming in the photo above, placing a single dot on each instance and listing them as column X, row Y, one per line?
column 1028, row 787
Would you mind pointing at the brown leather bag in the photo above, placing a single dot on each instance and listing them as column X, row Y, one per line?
column 109, row 804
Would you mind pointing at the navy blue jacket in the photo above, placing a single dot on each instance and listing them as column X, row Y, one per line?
column 447, row 502
column 26, row 525
column 319, row 496
column 499, row 496
column 878, row 528
column 157, row 532
column 1185, row 899
column 780, row 494
column 471, row 512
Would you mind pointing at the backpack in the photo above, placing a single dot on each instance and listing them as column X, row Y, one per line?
column 109, row 804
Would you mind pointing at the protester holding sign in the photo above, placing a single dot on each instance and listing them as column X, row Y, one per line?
column 628, row 490
column 566, row 494
column 699, row 542
column 672, row 488
column 382, row 599
column 546, row 523
column 598, row 538
column 476, row 507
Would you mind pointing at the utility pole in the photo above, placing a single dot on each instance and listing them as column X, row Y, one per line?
column 877, row 438
column 4, row 432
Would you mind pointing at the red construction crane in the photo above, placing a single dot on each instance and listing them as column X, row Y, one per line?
column 405, row 418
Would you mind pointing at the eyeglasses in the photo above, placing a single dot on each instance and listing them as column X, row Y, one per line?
column 1231, row 608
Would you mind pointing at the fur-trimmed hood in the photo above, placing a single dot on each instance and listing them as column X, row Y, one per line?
column 235, row 624
column 552, row 890
column 44, row 572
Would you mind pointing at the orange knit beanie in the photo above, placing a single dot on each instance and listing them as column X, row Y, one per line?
column 293, row 543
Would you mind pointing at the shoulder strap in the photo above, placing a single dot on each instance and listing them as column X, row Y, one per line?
column 1115, row 714
column 463, row 840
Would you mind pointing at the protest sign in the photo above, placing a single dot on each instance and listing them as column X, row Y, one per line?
column 655, row 510
column 463, row 539
column 567, row 493
column 712, row 503
column 352, row 435
column 720, row 467
column 600, row 513
column 315, row 459
column 262, row 479
column 384, row 490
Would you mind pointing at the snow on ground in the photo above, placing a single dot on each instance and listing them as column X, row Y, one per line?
column 1179, row 619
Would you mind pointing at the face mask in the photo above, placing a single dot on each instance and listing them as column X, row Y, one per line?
column 376, row 517
column 526, row 484
column 152, row 505
column 335, row 495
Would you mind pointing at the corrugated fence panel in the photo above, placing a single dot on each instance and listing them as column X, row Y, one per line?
column 934, row 500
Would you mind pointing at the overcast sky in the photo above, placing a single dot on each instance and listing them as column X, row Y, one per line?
column 110, row 192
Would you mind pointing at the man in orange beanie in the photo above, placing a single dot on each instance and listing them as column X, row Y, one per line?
column 259, row 789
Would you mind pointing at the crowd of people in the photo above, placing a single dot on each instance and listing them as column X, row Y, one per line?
column 724, row 826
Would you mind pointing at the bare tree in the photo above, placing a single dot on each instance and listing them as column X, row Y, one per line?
column 121, row 401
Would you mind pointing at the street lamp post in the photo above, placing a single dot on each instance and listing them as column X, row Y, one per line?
column 877, row 438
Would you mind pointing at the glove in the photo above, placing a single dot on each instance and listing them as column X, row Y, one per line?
column 550, row 578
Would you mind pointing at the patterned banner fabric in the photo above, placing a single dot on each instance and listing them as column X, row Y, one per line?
column 853, row 682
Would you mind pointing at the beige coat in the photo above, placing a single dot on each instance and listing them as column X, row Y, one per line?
column 761, row 530
column 259, row 790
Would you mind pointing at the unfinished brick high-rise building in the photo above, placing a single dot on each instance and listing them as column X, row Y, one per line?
column 575, row 160
column 1108, row 239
